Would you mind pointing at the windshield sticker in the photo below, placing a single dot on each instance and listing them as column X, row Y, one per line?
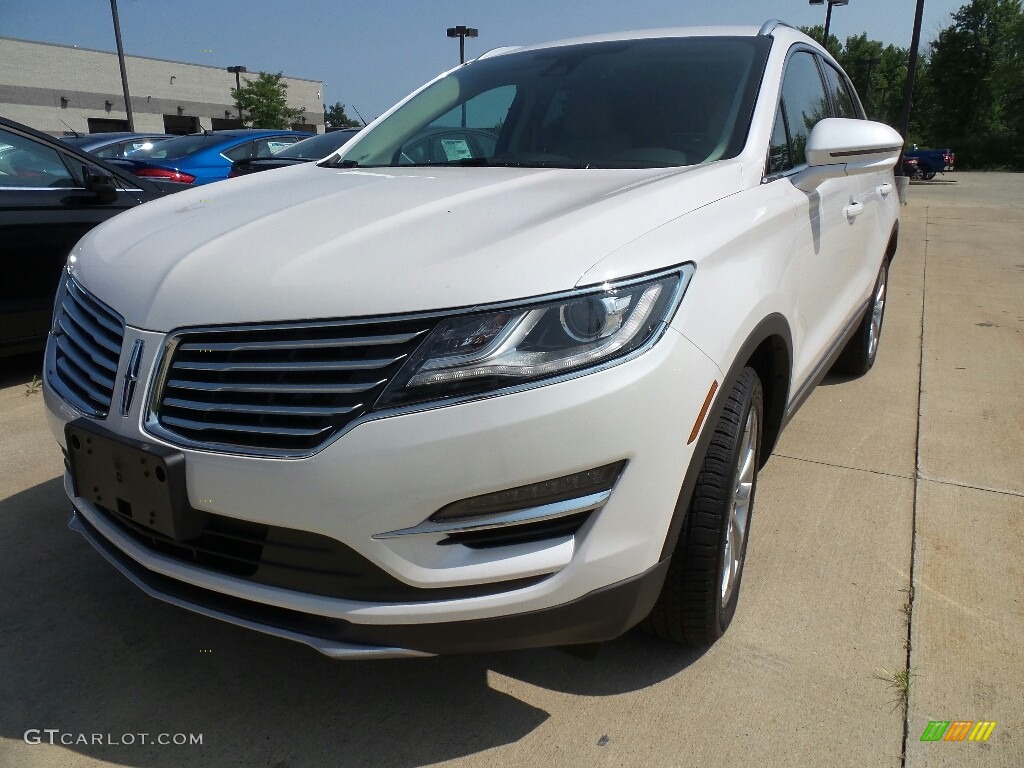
column 456, row 149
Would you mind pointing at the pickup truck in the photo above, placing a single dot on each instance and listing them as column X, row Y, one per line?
column 930, row 161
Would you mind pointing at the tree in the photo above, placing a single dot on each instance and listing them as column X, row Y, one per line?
column 969, row 88
column 975, row 68
column 264, row 102
column 335, row 117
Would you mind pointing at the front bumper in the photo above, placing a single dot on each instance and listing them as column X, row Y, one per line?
column 392, row 473
column 601, row 615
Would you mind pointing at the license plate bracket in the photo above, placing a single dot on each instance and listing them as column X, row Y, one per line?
column 139, row 480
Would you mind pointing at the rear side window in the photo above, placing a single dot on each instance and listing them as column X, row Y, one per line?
column 804, row 102
column 842, row 98
column 273, row 145
column 241, row 152
column 181, row 147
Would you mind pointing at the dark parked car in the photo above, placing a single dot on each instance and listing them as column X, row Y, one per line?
column 201, row 158
column 50, row 195
column 305, row 151
column 117, row 144
column 909, row 166
column 931, row 161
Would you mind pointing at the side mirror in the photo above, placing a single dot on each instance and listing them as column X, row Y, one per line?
column 101, row 183
column 839, row 147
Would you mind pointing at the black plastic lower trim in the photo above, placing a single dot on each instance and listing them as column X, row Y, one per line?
column 600, row 615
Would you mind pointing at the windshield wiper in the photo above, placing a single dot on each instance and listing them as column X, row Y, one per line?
column 482, row 162
column 535, row 164
column 341, row 164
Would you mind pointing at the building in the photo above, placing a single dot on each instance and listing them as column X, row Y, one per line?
column 62, row 89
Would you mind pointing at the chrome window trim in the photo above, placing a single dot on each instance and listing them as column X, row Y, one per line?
column 161, row 364
column 794, row 49
column 43, row 189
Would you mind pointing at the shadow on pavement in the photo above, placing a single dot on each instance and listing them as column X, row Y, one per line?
column 831, row 379
column 19, row 369
column 82, row 650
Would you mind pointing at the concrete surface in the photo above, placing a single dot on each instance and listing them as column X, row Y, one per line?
column 846, row 522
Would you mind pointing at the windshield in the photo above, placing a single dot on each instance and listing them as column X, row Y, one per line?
column 318, row 146
column 624, row 104
column 175, row 149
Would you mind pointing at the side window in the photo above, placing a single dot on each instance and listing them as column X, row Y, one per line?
column 25, row 163
column 270, row 147
column 778, row 151
column 241, row 152
column 842, row 99
column 806, row 103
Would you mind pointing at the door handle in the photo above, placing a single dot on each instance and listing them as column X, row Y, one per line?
column 885, row 189
column 853, row 210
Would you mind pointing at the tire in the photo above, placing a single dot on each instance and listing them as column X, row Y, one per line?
column 860, row 352
column 699, row 597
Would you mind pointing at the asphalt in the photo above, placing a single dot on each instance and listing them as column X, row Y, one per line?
column 889, row 531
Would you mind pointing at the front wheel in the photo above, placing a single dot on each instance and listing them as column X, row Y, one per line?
column 699, row 597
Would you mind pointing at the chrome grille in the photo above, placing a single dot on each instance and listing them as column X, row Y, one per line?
column 87, row 346
column 278, row 389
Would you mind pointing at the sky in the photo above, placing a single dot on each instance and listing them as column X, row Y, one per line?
column 371, row 54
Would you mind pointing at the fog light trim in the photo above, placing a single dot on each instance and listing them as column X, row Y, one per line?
column 587, row 503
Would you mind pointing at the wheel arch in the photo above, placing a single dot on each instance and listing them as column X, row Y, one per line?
column 894, row 237
column 768, row 349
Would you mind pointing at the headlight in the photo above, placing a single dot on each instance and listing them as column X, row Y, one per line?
column 481, row 352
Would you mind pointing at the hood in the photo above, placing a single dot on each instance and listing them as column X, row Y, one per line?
column 310, row 242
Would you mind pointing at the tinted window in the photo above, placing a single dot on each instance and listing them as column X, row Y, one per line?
column 805, row 102
column 241, row 152
column 274, row 145
column 841, row 97
column 125, row 148
column 778, row 152
column 619, row 104
column 25, row 163
column 318, row 146
column 175, row 149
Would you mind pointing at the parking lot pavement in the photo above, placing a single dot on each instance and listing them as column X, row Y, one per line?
column 968, row 608
column 910, row 475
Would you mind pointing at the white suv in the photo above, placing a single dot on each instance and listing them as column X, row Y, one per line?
column 501, row 372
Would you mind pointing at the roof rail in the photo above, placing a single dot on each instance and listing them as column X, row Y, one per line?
column 769, row 26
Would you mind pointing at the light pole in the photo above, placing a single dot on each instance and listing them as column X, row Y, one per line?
column 238, row 85
column 908, row 91
column 828, row 16
column 462, row 32
column 120, row 60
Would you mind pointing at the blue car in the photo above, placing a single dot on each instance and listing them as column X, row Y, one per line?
column 201, row 158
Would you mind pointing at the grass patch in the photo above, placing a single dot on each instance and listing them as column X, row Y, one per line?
column 898, row 682
column 34, row 387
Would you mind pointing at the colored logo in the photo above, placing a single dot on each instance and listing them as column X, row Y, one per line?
column 958, row 730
